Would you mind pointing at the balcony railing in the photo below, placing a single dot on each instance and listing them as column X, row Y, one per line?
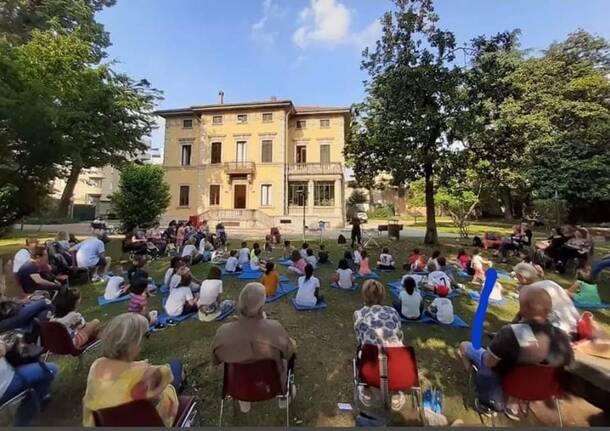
column 236, row 168
column 315, row 168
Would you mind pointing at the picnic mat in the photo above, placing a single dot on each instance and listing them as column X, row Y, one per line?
column 585, row 306
column 384, row 270
column 250, row 275
column 372, row 275
column 298, row 307
column 476, row 296
column 458, row 322
column 283, row 290
column 351, row 289
column 103, row 301
column 284, row 262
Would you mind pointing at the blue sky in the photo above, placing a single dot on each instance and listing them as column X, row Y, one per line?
column 308, row 51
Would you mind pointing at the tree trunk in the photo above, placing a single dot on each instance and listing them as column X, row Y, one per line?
column 431, row 237
column 508, row 204
column 66, row 196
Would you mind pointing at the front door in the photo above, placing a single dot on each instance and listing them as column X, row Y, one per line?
column 239, row 196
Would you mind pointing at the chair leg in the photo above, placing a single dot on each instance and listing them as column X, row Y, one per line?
column 558, row 411
column 222, row 402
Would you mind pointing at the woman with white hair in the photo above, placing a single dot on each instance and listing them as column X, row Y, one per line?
column 117, row 378
column 253, row 337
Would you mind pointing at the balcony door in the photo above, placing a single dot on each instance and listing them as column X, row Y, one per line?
column 301, row 154
column 241, row 155
column 239, row 196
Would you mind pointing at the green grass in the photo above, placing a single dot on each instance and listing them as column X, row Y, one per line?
column 325, row 347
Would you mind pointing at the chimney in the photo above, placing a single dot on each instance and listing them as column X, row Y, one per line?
column 221, row 95
column 273, row 99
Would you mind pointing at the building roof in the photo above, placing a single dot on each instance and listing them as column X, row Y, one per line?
column 248, row 105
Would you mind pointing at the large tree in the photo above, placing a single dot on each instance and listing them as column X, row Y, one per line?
column 414, row 101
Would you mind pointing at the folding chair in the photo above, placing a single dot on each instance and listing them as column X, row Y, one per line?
column 401, row 373
column 534, row 383
column 16, row 400
column 142, row 413
column 256, row 381
column 55, row 339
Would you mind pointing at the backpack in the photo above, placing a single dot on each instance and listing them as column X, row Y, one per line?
column 341, row 239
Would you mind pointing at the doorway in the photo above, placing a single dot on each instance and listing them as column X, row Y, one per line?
column 239, row 196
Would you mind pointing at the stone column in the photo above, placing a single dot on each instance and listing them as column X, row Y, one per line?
column 310, row 197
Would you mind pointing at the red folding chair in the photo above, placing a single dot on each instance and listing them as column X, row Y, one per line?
column 402, row 374
column 256, row 381
column 142, row 413
column 534, row 383
column 55, row 339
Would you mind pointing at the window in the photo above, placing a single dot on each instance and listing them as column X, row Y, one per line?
column 324, row 194
column 267, row 155
column 217, row 119
column 297, row 193
column 214, row 194
column 266, row 195
column 187, row 124
column 267, row 117
column 96, row 183
column 242, row 118
column 185, row 159
column 301, row 124
column 325, row 154
column 216, row 152
column 324, row 124
column 241, row 151
column 301, row 154
column 184, row 196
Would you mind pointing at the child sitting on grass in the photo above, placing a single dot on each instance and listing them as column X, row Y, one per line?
column 434, row 258
column 386, row 261
column 232, row 264
column 350, row 260
column 256, row 264
column 478, row 266
column 298, row 263
column 322, row 255
column 268, row 245
column 410, row 303
column 288, row 249
column 344, row 278
column 585, row 290
column 244, row 254
column 174, row 264
column 437, row 278
column 441, row 309
column 81, row 331
column 270, row 279
column 308, row 294
column 311, row 258
column 181, row 300
column 116, row 287
column 357, row 254
column 415, row 261
column 463, row 261
column 209, row 303
column 303, row 250
column 138, row 300
column 365, row 266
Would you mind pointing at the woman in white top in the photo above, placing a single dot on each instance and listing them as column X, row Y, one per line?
column 255, row 263
column 411, row 303
column 308, row 294
column 345, row 276
column 181, row 300
column 211, row 288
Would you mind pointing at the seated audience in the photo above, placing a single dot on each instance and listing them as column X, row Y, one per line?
column 24, row 255
column 270, row 279
column 463, row 262
column 118, row 378
column 181, row 300
column 20, row 314
column 115, row 288
column 255, row 262
column 584, row 289
column 252, row 337
column 138, row 300
column 447, row 269
column 531, row 340
column 512, row 242
column 38, row 376
column 308, row 294
column 90, row 254
column 415, row 262
column 288, row 249
column 434, row 259
column 34, row 275
column 564, row 314
column 205, row 250
column 81, row 331
column 357, row 253
column 174, row 265
column 268, row 245
column 437, row 278
column 365, row 266
column 232, row 264
column 344, row 278
column 386, row 261
column 190, row 253
column 410, row 303
column 323, row 255
column 441, row 308
column 311, row 258
column 209, row 303
column 303, row 251
column 478, row 263
column 298, row 263
column 350, row 261
column 244, row 255
column 491, row 240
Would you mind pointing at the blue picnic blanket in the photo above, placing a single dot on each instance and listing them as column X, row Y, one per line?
column 476, row 296
column 298, row 307
column 384, row 270
column 458, row 322
column 351, row 289
column 584, row 306
column 250, row 275
column 372, row 275
column 284, row 262
column 283, row 290
column 103, row 301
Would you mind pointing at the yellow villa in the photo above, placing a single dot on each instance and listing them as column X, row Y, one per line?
column 257, row 164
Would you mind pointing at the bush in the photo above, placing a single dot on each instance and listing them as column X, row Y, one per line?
column 357, row 197
column 551, row 211
column 383, row 212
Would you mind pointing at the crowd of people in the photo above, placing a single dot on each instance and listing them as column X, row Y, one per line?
column 541, row 333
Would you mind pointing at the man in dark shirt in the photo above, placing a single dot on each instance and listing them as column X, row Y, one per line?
column 533, row 340
column 35, row 274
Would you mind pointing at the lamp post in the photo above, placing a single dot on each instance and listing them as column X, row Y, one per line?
column 303, row 199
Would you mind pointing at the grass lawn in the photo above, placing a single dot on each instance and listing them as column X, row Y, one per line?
column 325, row 347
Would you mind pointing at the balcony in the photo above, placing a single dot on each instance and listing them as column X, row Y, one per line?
column 239, row 168
column 315, row 169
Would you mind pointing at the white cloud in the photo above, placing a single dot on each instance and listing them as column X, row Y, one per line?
column 329, row 21
column 300, row 60
column 260, row 29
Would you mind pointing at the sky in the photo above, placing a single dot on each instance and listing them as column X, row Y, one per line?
column 307, row 51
